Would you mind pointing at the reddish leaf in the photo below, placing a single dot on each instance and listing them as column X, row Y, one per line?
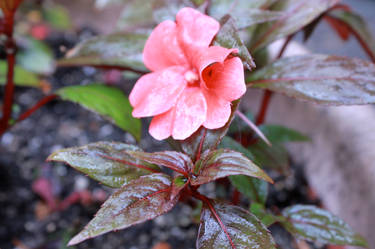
column 341, row 28
column 223, row 162
column 322, row 79
column 141, row 200
column 298, row 13
column 227, row 226
column 176, row 161
column 357, row 26
column 106, row 162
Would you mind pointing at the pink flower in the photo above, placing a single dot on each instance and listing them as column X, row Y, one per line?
column 191, row 83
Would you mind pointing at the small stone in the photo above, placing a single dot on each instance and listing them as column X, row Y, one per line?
column 51, row 227
column 80, row 183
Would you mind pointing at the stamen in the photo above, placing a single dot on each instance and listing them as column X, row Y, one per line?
column 191, row 77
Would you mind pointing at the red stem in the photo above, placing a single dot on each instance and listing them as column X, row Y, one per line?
column 10, row 50
column 38, row 105
column 263, row 107
column 236, row 197
column 199, row 152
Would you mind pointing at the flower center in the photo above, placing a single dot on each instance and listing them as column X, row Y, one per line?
column 192, row 77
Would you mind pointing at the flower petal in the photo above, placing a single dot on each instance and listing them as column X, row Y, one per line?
column 161, row 125
column 156, row 93
column 226, row 80
column 162, row 48
column 204, row 57
column 218, row 111
column 191, row 110
column 195, row 28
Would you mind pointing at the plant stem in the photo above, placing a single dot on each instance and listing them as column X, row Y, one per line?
column 10, row 50
column 268, row 94
column 38, row 105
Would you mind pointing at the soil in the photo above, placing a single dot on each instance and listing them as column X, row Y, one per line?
column 24, row 221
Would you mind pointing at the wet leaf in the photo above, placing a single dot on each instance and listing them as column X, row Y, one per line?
column 231, row 227
column 107, row 101
column 245, row 13
column 315, row 224
column 141, row 200
column 281, row 134
column 203, row 139
column 106, row 162
column 122, row 51
column 229, row 37
column 253, row 188
column 297, row 14
column 323, row 79
column 174, row 160
column 35, row 56
column 223, row 162
column 22, row 77
column 232, row 144
column 358, row 26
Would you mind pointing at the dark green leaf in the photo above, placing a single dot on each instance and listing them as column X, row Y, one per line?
column 174, row 160
column 167, row 9
column 21, row 76
column 281, row 134
column 115, row 50
column 315, row 224
column 273, row 157
column 57, row 16
column 297, row 14
column 229, row 37
column 242, row 229
column 223, row 162
column 358, row 26
column 35, row 56
column 106, row 162
column 209, row 139
column 107, row 101
column 232, row 144
column 251, row 187
column 322, row 79
column 141, row 200
column 261, row 213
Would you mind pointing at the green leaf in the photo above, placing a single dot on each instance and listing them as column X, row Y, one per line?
column 106, row 162
column 273, row 157
column 297, row 14
column 227, row 226
column 315, row 224
column 253, row 188
column 244, row 12
column 107, row 101
column 229, row 37
column 223, row 162
column 324, row 79
column 122, row 51
column 261, row 213
column 174, row 160
column 22, row 77
column 36, row 56
column 143, row 199
column 232, row 144
column 203, row 139
column 281, row 134
column 57, row 16
column 358, row 26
